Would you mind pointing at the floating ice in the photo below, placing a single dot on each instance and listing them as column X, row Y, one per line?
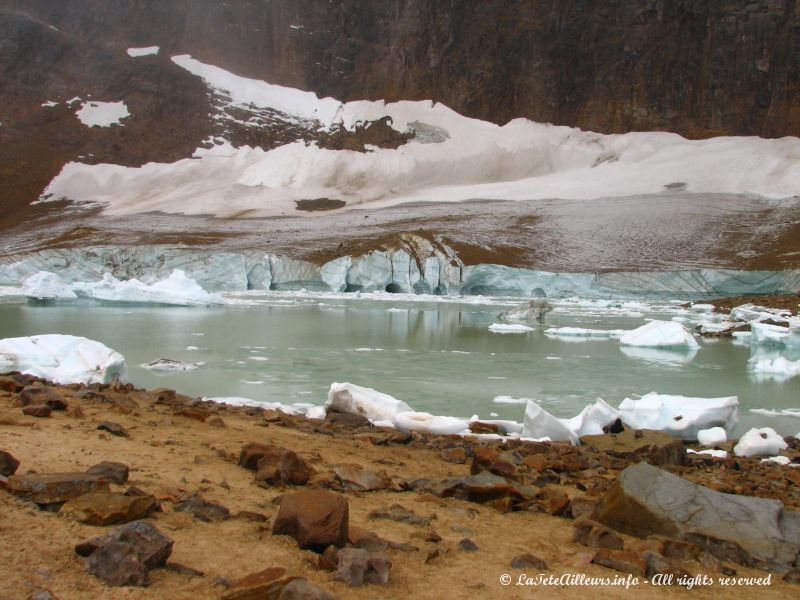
column 102, row 114
column 760, row 442
column 509, row 400
column 168, row 364
column 62, row 358
column 428, row 423
column 660, row 334
column 374, row 405
column 764, row 333
column 177, row 289
column 712, row 436
column 533, row 310
column 754, row 313
column 679, row 416
column 587, row 333
column 674, row 356
column 538, row 424
column 147, row 51
column 780, row 367
column 47, row 286
column 505, row 328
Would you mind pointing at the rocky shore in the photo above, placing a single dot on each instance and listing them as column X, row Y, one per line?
column 108, row 485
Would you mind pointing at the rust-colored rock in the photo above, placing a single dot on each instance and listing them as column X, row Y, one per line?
column 52, row 488
column 595, row 535
column 263, row 585
column 620, row 560
column 274, row 464
column 528, row 561
column 8, row 464
column 356, row 566
column 107, row 508
column 115, row 472
column 456, row 456
column 315, row 518
column 355, row 477
column 656, row 447
column 191, row 412
column 43, row 394
column 37, row 410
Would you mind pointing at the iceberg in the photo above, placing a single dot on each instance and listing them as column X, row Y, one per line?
column 62, row 358
column 764, row 333
column 778, row 460
column 539, row 424
column 177, row 289
column 680, row 416
column 760, row 442
column 47, row 286
column 660, row 334
column 428, row 423
column 374, row 405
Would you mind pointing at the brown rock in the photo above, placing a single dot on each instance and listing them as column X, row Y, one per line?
column 792, row 576
column 356, row 567
column 52, row 488
column 302, row 589
column 528, row 561
column 183, row 569
column 115, row 472
column 399, row 513
column 656, row 447
column 8, row 464
column 42, row 594
column 248, row 515
column 263, row 585
column 315, row 518
column 216, row 422
column 456, row 456
column 582, row 505
column 151, row 546
column 480, row 427
column 593, row 534
column 467, row 545
column 279, row 464
column 43, row 394
column 37, row 410
column 679, row 549
column 356, row 477
column 117, row 564
column 106, row 508
column 253, row 452
column 620, row 560
column 659, row 565
column 113, row 428
column 9, row 384
column 536, row 461
column 347, row 419
column 549, row 500
column 203, row 510
column 191, row 412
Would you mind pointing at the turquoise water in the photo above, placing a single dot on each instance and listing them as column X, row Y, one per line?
column 437, row 356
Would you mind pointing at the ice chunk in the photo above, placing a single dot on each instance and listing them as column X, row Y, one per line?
column 764, row 333
column 534, row 310
column 63, row 358
column 680, row 416
column 428, row 423
column 592, row 419
column 779, row 366
column 47, row 286
column 660, row 334
column 509, row 400
column 505, row 328
column 754, row 313
column 582, row 332
column 538, row 423
column 712, row 436
column 760, row 442
column 660, row 355
column 177, row 289
column 316, row 412
column 168, row 364
column 374, row 405
column 703, row 308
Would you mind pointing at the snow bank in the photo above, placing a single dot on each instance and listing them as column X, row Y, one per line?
column 177, row 289
column 428, row 423
column 62, row 358
column 712, row 436
column 374, row 405
column 47, row 286
column 520, row 160
column 147, row 51
column 506, row 328
column 760, row 442
column 679, row 416
column 660, row 334
column 102, row 114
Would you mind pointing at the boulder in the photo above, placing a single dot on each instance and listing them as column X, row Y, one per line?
column 150, row 545
column 53, row 488
column 655, row 447
column 8, row 464
column 646, row 500
column 456, row 456
column 355, row 477
column 107, row 508
column 37, row 410
column 43, row 394
column 118, row 564
column 115, row 472
column 203, row 510
column 315, row 518
column 356, row 567
column 192, row 412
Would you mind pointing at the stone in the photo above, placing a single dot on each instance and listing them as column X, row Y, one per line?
column 254, row 517
column 656, row 564
column 655, row 447
column 457, row 456
column 9, row 384
column 276, row 464
column 191, row 412
column 183, row 569
column 262, row 585
column 118, row 564
column 593, row 534
column 150, row 545
column 43, row 394
column 53, row 488
column 399, row 513
column 8, row 464
column 115, row 472
column 582, row 505
column 203, row 510
column 646, row 500
column 108, row 508
column 113, row 428
column 315, row 518
column 37, row 410
column 620, row 560
column 528, row 561
column 792, row 576
column 467, row 545
column 357, row 566
column 356, row 477
column 253, row 452
column 480, row 427
column 302, row 589
column 349, row 420
column 538, row 462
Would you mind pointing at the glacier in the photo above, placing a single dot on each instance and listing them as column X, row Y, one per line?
column 419, row 267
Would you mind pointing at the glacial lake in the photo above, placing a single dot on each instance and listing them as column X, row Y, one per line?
column 438, row 356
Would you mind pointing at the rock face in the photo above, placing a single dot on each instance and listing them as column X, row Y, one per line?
column 52, row 488
column 752, row 531
column 315, row 518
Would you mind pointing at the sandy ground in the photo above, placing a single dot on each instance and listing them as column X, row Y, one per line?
column 167, row 452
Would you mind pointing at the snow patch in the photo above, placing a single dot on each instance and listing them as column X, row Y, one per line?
column 102, row 114
column 146, row 51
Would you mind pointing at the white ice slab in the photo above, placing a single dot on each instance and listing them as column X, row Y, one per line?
column 374, row 405
column 712, row 436
column 428, row 423
column 660, row 334
column 146, row 51
column 177, row 289
column 509, row 328
column 680, row 416
column 167, row 364
column 47, row 286
column 538, row 423
column 760, row 442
